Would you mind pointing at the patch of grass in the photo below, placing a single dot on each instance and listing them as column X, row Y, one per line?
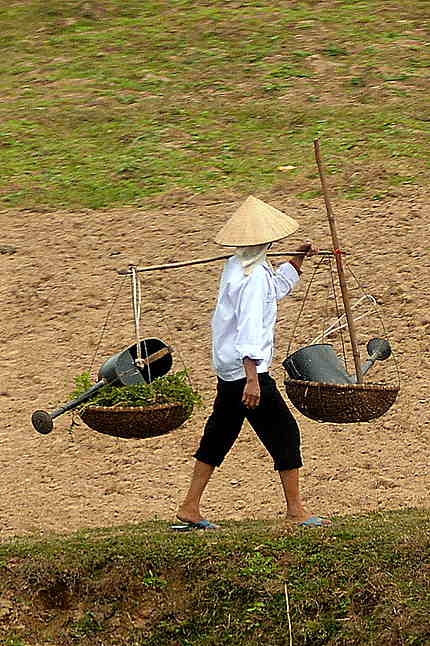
column 13, row 640
column 364, row 581
column 113, row 102
column 334, row 50
column 358, row 82
column 86, row 626
column 289, row 71
column 309, row 195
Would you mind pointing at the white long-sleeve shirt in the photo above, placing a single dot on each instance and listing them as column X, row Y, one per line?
column 243, row 323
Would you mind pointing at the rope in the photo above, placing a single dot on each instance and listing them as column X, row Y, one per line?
column 136, row 295
column 293, row 334
column 136, row 302
column 93, row 360
column 165, row 321
column 336, row 325
column 108, row 315
column 340, row 322
column 378, row 311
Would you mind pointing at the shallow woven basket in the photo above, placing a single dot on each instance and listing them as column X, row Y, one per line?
column 135, row 422
column 341, row 403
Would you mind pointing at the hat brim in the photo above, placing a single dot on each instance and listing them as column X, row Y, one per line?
column 255, row 222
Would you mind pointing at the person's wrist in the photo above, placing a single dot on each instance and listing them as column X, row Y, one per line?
column 297, row 266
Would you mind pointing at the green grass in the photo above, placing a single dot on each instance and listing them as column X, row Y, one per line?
column 363, row 582
column 167, row 389
column 106, row 103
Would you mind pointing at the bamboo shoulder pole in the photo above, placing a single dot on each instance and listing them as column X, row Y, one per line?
column 199, row 261
column 339, row 265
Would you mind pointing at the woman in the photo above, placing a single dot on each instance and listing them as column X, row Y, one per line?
column 243, row 328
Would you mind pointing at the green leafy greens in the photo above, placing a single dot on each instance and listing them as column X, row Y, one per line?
column 172, row 388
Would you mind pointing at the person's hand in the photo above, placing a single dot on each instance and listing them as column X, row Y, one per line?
column 309, row 248
column 251, row 394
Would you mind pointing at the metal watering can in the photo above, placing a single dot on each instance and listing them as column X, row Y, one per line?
column 120, row 370
column 320, row 362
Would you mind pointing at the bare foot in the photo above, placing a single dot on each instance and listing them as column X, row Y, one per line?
column 189, row 514
column 297, row 513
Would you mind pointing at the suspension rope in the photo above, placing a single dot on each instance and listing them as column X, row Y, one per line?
column 136, row 290
column 378, row 311
column 293, row 334
column 136, row 303
column 100, row 340
column 165, row 320
column 105, row 324
column 340, row 323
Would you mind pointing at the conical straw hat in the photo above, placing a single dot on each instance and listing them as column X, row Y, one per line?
column 255, row 222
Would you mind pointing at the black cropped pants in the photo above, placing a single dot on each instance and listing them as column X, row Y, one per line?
column 271, row 420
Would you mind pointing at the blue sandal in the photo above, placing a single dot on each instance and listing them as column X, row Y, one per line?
column 189, row 525
column 315, row 521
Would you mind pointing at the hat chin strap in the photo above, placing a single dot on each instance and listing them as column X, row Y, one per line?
column 252, row 256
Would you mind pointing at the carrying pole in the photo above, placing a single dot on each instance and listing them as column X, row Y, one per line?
column 339, row 266
column 199, row 261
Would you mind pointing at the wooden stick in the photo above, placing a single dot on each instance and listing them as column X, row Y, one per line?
column 199, row 261
column 156, row 355
column 287, row 601
column 339, row 265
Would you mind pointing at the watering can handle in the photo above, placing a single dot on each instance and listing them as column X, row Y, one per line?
column 146, row 361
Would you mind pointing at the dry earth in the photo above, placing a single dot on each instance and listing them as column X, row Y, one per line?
column 56, row 291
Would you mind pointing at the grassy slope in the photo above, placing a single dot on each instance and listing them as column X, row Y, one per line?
column 366, row 581
column 115, row 102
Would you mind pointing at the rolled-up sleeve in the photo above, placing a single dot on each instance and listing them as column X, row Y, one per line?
column 284, row 279
column 249, row 314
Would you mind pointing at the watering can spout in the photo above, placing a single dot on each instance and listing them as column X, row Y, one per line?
column 378, row 350
column 320, row 362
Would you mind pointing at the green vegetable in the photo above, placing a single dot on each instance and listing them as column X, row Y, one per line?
column 168, row 389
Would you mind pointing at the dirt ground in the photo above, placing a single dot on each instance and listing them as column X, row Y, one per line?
column 56, row 292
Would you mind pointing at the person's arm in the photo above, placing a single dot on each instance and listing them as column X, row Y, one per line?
column 288, row 274
column 251, row 392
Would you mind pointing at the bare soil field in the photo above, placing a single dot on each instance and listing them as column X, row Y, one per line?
column 57, row 289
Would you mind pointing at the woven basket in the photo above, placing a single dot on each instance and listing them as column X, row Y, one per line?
column 341, row 403
column 135, row 422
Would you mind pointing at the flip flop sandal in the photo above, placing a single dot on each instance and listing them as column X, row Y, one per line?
column 315, row 521
column 188, row 526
